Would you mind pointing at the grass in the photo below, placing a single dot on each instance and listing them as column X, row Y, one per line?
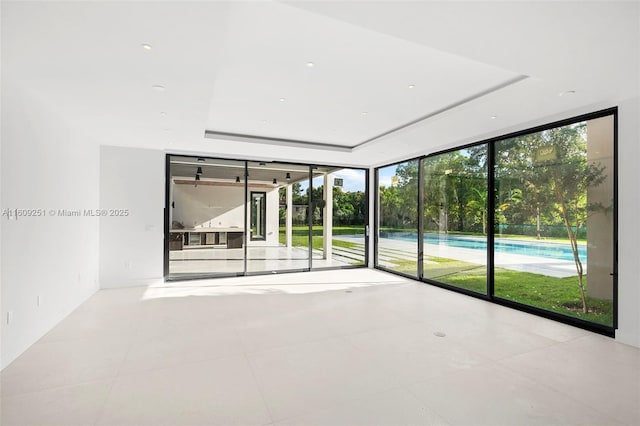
column 300, row 235
column 553, row 294
column 559, row 295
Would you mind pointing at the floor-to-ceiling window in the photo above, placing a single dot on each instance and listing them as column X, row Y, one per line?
column 284, row 245
column 229, row 217
column 527, row 220
column 454, row 191
column 554, row 216
column 339, row 217
column 206, row 217
column 397, row 211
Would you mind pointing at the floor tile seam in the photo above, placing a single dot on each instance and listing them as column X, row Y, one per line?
column 486, row 363
column 129, row 374
column 532, row 378
column 584, row 333
column 553, row 344
column 259, row 386
column 342, row 401
column 382, row 309
column 124, row 359
column 102, row 410
column 611, row 342
column 425, row 403
column 76, row 339
column 290, row 346
column 562, row 392
column 375, row 329
column 528, row 382
column 57, row 387
column 125, row 374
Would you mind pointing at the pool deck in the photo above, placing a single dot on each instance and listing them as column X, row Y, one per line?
column 391, row 250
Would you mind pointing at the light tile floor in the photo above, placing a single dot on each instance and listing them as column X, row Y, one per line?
column 352, row 347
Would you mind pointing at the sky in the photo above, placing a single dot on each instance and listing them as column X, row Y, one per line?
column 353, row 180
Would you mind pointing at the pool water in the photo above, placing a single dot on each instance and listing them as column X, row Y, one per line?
column 551, row 250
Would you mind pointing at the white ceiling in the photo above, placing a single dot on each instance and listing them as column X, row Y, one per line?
column 225, row 66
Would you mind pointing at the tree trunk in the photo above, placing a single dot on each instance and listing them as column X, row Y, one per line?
column 574, row 243
column 484, row 222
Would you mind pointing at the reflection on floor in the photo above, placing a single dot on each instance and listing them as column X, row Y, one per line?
column 350, row 347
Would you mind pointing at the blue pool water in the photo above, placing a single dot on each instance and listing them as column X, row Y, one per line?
column 529, row 248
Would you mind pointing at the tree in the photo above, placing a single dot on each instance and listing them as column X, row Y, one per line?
column 553, row 170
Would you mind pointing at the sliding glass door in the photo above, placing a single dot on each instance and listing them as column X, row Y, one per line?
column 339, row 214
column 454, row 190
column 206, row 217
column 554, row 216
column 231, row 217
column 278, row 217
column 527, row 220
column 397, row 229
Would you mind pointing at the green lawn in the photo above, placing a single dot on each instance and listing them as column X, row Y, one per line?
column 300, row 235
column 554, row 294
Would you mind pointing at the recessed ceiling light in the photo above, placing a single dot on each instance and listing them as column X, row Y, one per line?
column 146, row 46
column 567, row 92
column 158, row 88
column 493, row 117
column 282, row 99
column 163, row 114
column 264, row 121
column 364, row 113
column 411, row 86
column 311, row 64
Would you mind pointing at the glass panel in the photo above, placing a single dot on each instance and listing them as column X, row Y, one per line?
column 258, row 215
column 283, row 244
column 318, row 215
column 398, row 217
column 339, row 217
column 206, row 217
column 554, row 211
column 455, row 218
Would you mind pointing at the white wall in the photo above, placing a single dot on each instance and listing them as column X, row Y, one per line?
column 131, row 247
column 46, row 164
column 223, row 206
column 208, row 206
column 628, row 228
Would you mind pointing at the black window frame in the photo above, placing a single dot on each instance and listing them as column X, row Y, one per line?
column 489, row 296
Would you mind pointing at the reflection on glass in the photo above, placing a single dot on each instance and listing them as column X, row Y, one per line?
column 554, row 210
column 206, row 217
column 455, row 218
column 398, row 217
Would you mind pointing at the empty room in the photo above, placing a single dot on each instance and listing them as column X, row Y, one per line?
column 319, row 213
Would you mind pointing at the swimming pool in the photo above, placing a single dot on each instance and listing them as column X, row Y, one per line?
column 560, row 251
